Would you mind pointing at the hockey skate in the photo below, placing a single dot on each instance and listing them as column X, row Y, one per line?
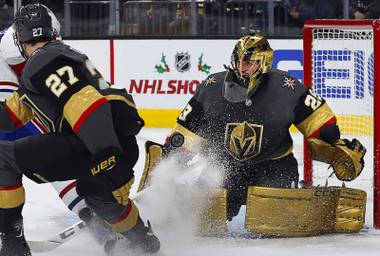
column 13, row 243
column 139, row 240
column 99, row 229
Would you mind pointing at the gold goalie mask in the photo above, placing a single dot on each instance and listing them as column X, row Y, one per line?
column 253, row 49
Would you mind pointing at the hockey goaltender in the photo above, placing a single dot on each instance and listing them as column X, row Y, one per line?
column 240, row 118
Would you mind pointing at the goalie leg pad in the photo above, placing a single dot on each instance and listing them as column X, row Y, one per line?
column 350, row 210
column 211, row 205
column 154, row 153
column 304, row 212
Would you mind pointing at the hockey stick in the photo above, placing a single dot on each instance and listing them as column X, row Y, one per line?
column 58, row 239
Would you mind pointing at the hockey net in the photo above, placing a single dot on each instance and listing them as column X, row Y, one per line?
column 339, row 64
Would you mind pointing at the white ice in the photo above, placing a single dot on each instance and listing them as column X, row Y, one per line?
column 46, row 215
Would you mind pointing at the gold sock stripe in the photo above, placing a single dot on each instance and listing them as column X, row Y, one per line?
column 127, row 220
column 12, row 197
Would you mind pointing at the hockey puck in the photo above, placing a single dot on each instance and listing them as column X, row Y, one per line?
column 177, row 140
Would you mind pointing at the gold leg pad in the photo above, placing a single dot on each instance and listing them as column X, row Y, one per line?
column 304, row 212
column 154, row 154
column 350, row 210
column 212, row 211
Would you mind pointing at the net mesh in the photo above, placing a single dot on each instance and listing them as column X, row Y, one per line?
column 342, row 73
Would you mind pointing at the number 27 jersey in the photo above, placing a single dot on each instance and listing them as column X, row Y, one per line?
column 58, row 85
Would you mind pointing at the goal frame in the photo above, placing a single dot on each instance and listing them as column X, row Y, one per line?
column 309, row 26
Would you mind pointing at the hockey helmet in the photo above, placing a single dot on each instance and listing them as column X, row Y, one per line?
column 8, row 48
column 251, row 49
column 33, row 23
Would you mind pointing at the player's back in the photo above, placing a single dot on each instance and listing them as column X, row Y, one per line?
column 55, row 55
column 52, row 75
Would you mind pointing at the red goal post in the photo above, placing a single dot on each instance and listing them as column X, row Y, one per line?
column 340, row 57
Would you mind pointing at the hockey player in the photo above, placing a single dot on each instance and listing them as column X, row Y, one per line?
column 241, row 118
column 11, row 66
column 91, row 136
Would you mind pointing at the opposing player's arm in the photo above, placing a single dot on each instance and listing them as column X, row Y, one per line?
column 315, row 119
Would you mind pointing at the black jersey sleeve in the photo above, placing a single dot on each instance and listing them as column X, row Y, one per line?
column 314, row 117
column 192, row 117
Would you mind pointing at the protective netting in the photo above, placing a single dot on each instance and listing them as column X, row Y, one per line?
column 342, row 73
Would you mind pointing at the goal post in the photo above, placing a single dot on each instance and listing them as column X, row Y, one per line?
column 342, row 64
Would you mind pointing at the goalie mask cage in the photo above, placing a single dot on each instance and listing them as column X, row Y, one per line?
column 342, row 64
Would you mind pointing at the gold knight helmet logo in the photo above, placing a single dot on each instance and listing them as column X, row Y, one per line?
column 243, row 140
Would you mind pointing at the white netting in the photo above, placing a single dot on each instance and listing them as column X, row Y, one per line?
column 342, row 73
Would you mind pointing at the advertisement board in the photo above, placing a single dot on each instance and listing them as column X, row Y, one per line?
column 163, row 74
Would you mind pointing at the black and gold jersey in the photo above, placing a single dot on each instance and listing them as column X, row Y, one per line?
column 62, row 89
column 254, row 129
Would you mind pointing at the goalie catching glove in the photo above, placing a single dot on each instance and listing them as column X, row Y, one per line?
column 346, row 157
column 111, row 168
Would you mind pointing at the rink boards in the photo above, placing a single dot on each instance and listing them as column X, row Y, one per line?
column 162, row 75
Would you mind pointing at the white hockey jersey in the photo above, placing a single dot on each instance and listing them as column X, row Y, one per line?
column 8, row 80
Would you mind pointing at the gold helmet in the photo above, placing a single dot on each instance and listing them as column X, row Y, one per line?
column 252, row 48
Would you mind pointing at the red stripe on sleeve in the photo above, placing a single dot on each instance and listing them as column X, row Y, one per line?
column 88, row 112
column 11, row 187
column 17, row 122
column 39, row 125
column 317, row 132
column 67, row 189
column 9, row 83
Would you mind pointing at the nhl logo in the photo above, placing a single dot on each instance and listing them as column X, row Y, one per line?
column 182, row 61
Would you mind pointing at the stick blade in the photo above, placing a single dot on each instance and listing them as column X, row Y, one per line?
column 58, row 239
column 43, row 246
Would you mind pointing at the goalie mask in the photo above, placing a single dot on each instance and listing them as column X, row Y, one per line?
column 251, row 57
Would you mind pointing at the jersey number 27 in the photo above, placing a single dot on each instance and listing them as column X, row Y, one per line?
column 55, row 83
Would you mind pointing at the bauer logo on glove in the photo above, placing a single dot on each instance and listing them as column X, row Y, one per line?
column 107, row 164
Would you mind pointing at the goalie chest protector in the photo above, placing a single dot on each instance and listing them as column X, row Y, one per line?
column 253, row 130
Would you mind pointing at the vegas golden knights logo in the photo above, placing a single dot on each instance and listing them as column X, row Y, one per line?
column 243, row 140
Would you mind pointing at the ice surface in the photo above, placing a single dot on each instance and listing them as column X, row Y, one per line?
column 46, row 215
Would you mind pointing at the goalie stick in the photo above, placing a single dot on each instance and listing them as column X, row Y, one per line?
column 58, row 239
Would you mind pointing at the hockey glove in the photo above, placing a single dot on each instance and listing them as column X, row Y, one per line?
column 111, row 168
column 349, row 162
column 346, row 157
